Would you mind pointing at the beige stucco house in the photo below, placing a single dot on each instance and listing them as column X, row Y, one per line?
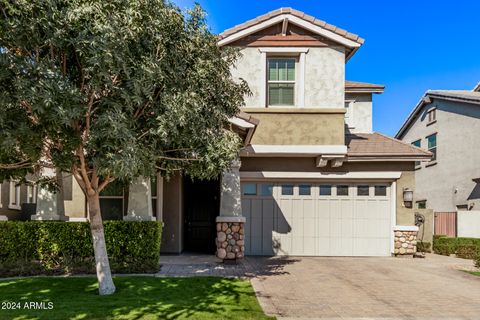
column 446, row 122
column 312, row 178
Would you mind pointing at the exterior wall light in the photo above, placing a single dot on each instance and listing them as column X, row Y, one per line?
column 408, row 198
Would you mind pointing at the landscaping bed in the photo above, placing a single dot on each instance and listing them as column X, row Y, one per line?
column 136, row 298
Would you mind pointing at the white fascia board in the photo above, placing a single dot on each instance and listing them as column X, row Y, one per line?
column 323, row 32
column 283, row 50
column 363, row 175
column 252, row 29
column 241, row 123
column 295, row 20
column 294, row 150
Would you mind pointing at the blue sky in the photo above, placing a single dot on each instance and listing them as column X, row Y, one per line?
column 410, row 47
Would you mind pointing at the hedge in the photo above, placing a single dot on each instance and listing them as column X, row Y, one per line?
column 424, row 247
column 466, row 248
column 41, row 247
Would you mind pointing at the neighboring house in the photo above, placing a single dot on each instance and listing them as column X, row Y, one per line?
column 447, row 122
column 312, row 179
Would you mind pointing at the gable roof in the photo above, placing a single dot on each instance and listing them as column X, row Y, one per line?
column 464, row 96
column 477, row 88
column 358, row 87
column 376, row 145
column 347, row 39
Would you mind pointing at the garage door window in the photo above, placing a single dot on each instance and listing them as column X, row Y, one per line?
column 304, row 190
column 325, row 190
column 287, row 190
column 342, row 190
column 266, row 190
column 249, row 189
column 363, row 191
column 380, row 191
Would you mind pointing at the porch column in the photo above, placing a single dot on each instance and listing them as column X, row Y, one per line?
column 50, row 205
column 140, row 201
column 230, row 223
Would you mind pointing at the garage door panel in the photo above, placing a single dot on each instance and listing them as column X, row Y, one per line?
column 326, row 225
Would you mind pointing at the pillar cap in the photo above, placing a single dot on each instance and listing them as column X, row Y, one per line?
column 231, row 219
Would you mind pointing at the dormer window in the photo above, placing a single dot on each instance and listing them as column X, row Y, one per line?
column 281, row 81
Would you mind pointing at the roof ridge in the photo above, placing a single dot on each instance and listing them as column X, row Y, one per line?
column 297, row 13
column 403, row 142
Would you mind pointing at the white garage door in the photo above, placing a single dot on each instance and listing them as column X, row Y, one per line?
column 318, row 219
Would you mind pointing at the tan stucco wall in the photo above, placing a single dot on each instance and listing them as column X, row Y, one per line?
column 324, row 83
column 405, row 216
column 425, row 232
column 172, row 234
column 299, row 128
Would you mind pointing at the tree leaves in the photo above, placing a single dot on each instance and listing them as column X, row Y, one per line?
column 134, row 86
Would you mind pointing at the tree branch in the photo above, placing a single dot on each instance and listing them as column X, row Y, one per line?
column 104, row 183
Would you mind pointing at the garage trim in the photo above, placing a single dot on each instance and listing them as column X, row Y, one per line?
column 372, row 176
column 256, row 175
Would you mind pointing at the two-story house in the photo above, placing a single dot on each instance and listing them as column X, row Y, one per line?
column 446, row 122
column 312, row 178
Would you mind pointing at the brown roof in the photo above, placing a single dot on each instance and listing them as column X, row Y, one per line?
column 356, row 86
column 299, row 14
column 379, row 145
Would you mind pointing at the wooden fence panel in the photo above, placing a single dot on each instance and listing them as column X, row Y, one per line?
column 446, row 223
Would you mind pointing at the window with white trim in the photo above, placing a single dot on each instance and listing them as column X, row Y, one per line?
column 14, row 196
column 31, row 193
column 281, row 81
column 418, row 144
column 432, row 145
column 113, row 202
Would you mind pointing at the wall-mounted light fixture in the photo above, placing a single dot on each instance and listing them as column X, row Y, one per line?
column 408, row 198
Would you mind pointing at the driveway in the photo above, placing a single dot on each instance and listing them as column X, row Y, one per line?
column 367, row 288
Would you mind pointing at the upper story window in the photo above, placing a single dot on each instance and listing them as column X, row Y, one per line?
column 281, row 81
column 432, row 115
column 14, row 196
column 417, row 143
column 432, row 145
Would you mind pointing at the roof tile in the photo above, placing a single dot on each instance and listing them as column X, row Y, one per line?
column 379, row 145
column 296, row 13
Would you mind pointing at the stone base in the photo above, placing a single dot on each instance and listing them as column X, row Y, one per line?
column 405, row 242
column 230, row 240
column 48, row 217
column 131, row 217
column 3, row 218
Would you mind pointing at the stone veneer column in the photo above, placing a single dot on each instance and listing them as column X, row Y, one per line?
column 405, row 240
column 140, row 201
column 50, row 205
column 230, row 223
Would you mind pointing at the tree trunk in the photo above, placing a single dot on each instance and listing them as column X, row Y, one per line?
column 104, row 275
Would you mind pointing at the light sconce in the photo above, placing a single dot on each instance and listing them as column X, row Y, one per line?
column 408, row 198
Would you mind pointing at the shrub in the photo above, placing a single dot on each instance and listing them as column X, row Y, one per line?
column 441, row 242
column 37, row 247
column 477, row 260
column 467, row 251
column 443, row 249
column 424, row 247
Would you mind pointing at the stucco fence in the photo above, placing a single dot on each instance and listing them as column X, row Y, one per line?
column 468, row 224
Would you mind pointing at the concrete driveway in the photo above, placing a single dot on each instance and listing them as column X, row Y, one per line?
column 367, row 288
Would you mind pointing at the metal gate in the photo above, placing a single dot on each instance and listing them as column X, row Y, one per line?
column 446, row 223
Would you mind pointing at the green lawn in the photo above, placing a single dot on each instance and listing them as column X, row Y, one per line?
column 136, row 298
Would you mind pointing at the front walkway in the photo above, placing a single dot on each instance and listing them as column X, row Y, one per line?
column 349, row 288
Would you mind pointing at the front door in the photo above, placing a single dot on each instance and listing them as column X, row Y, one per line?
column 202, row 205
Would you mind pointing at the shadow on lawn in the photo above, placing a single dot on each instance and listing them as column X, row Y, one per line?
column 136, row 298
